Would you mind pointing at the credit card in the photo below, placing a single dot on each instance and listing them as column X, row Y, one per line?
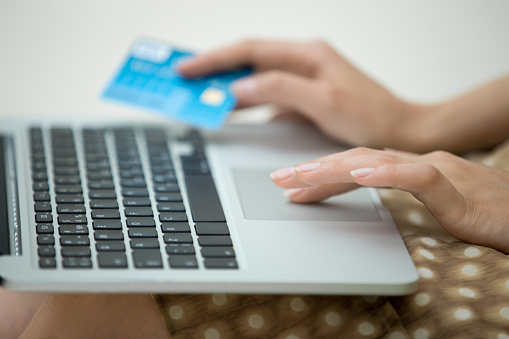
column 148, row 79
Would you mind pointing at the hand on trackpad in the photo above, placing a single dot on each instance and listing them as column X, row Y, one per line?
column 262, row 200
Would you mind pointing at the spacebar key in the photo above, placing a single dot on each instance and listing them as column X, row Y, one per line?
column 203, row 198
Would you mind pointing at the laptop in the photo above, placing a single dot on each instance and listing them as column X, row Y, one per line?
column 98, row 205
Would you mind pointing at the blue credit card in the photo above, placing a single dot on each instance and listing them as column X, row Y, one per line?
column 149, row 79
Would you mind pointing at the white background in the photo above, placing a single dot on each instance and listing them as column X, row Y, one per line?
column 57, row 56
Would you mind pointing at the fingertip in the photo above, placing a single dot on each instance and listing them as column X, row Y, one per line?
column 244, row 88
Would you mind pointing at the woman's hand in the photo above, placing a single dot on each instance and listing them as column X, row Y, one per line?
column 315, row 81
column 469, row 200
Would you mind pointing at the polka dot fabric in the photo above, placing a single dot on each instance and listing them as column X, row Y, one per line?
column 463, row 293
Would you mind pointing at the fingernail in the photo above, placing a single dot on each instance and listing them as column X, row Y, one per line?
column 362, row 172
column 293, row 192
column 244, row 88
column 282, row 174
column 307, row 167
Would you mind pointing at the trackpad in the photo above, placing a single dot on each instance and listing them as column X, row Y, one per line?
column 262, row 200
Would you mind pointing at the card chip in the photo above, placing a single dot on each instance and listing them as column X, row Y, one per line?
column 213, row 96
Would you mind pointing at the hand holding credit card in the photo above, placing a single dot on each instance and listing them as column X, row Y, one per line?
column 149, row 79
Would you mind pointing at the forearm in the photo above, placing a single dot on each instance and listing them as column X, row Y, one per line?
column 476, row 120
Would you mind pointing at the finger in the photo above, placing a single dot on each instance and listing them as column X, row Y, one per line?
column 260, row 54
column 333, row 168
column 299, row 93
column 318, row 193
column 424, row 181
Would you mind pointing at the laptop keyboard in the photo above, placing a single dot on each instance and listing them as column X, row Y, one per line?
column 115, row 206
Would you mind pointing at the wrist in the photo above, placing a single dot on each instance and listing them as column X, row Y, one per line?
column 419, row 128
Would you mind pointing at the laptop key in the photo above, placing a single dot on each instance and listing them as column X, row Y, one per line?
column 112, row 259
column 107, row 224
column 74, row 240
column 75, row 251
column 47, row 263
column 175, row 227
column 71, row 208
column 182, row 261
column 142, row 232
column 72, row 219
column 42, row 206
column 217, row 252
column 109, row 245
column 46, row 251
column 73, row 229
column 73, row 262
column 164, row 197
column 178, row 238
column 144, row 243
column 180, row 249
column 102, row 194
column 171, row 207
column 172, row 216
column 45, row 239
column 44, row 228
column 137, row 202
column 220, row 263
column 138, row 212
column 41, row 196
column 135, row 192
column 69, row 198
column 147, row 258
column 108, row 235
column 215, row 240
column 203, row 198
column 141, row 221
column 103, row 203
column 105, row 214
column 211, row 228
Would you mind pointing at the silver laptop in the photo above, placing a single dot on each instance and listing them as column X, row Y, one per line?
column 92, row 205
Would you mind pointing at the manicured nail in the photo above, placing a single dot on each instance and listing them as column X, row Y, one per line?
column 282, row 174
column 362, row 172
column 244, row 88
column 307, row 167
column 293, row 192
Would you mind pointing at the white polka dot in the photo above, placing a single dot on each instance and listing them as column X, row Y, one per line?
column 366, row 328
column 507, row 284
column 370, row 299
column 427, row 254
column 503, row 336
column 415, row 217
column 397, row 335
column 422, row 299
column 505, row 313
column 256, row 321
column 176, row 312
column 469, row 270
column 425, row 272
column 332, row 319
column 297, row 304
column 421, row 333
column 292, row 336
column 467, row 292
column 219, row 299
column 212, row 333
column 463, row 314
column 472, row 252
column 429, row 241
